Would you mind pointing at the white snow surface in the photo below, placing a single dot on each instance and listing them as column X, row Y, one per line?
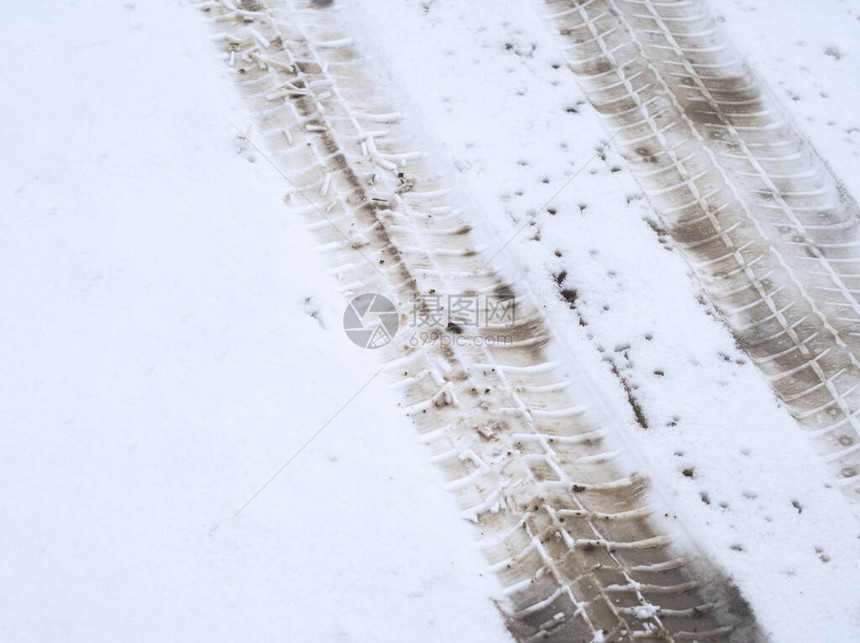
column 758, row 503
column 168, row 338
column 159, row 364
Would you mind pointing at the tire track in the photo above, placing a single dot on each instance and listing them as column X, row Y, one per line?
column 760, row 217
column 568, row 530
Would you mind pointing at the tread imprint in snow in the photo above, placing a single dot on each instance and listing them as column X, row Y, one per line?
column 570, row 536
column 760, row 217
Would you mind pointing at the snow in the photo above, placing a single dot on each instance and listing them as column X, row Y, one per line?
column 160, row 363
column 811, row 64
column 170, row 338
column 508, row 115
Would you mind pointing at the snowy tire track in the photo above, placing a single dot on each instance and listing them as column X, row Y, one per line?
column 562, row 523
column 766, row 226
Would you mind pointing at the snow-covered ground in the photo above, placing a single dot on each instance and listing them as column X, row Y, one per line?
column 168, row 338
column 159, row 363
column 752, row 497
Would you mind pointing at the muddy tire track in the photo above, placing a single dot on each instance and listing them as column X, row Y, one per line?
column 568, row 530
column 766, row 226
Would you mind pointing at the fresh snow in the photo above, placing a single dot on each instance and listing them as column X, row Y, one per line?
column 170, row 339
column 160, row 363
